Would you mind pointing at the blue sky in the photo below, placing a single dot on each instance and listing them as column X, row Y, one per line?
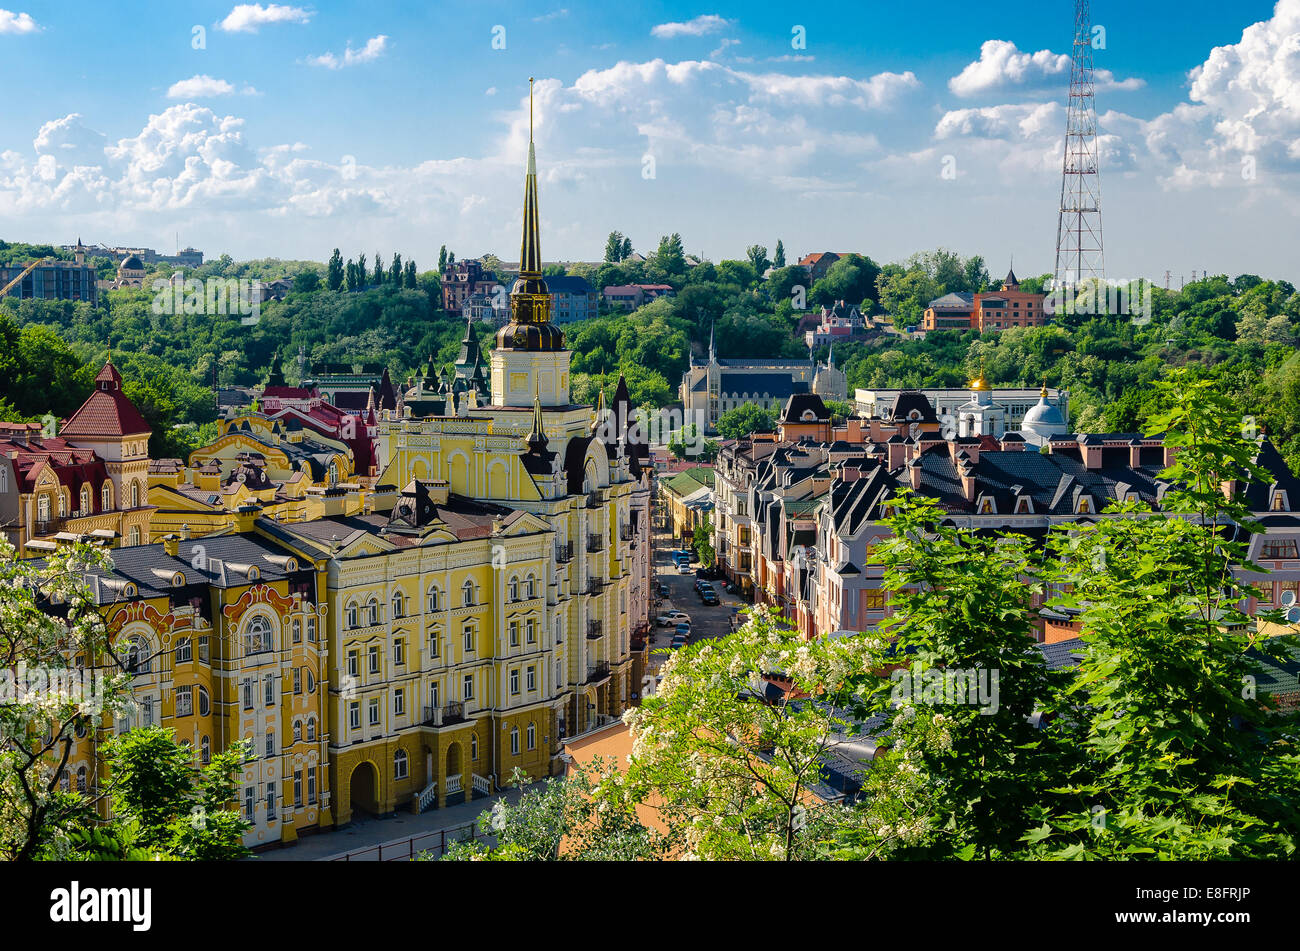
column 386, row 126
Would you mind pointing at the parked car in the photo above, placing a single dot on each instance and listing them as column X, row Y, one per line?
column 709, row 597
column 678, row 642
column 670, row 618
column 700, row 583
column 663, row 590
column 683, row 630
column 683, row 569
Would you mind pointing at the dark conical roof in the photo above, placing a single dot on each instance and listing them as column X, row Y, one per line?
column 1011, row 278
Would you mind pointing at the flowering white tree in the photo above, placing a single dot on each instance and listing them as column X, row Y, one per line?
column 733, row 746
column 47, row 617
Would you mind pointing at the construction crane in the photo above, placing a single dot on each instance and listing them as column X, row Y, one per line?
column 19, row 279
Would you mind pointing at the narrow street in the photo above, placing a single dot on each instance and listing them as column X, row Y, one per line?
column 707, row 621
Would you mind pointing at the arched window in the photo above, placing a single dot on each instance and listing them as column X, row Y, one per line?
column 473, row 746
column 397, row 604
column 85, row 499
column 135, row 495
column 135, row 659
column 352, row 615
column 514, row 741
column 467, row 592
column 532, row 736
column 258, row 636
column 205, row 751
column 372, row 611
column 205, row 703
column 4, row 479
column 63, row 505
column 81, row 779
column 399, row 764
column 311, row 728
column 296, row 629
column 530, row 587
column 106, row 497
column 43, row 508
column 311, row 629
column 433, row 597
column 512, row 589
column 297, row 730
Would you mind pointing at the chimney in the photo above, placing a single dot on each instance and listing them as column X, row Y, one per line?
column 1091, row 455
column 914, row 473
column 335, row 502
column 171, row 545
column 896, row 451
column 1012, row 445
column 967, row 481
column 245, row 516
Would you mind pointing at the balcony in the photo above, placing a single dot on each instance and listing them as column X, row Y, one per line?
column 598, row 672
column 595, row 543
column 594, row 585
column 595, row 629
column 563, row 554
column 445, row 715
column 625, row 532
column 49, row 526
column 594, row 501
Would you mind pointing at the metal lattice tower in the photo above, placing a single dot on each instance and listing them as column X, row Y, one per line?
column 1078, row 229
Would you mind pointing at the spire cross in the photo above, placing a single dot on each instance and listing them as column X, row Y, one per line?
column 530, row 108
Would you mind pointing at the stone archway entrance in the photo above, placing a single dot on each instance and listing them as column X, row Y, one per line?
column 365, row 789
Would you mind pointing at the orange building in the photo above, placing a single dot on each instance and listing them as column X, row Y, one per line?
column 987, row 310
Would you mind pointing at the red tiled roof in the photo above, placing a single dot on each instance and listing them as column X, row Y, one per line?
column 107, row 412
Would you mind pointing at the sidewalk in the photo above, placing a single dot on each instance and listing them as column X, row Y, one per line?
column 366, row 831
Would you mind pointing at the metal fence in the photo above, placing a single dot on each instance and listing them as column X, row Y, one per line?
column 434, row 843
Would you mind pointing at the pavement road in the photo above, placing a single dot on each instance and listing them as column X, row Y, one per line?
column 707, row 621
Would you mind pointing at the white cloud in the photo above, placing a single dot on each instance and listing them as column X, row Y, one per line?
column 490, row 91
column 200, row 86
column 553, row 15
column 374, row 48
column 700, row 26
column 1002, row 66
column 17, row 23
column 250, row 17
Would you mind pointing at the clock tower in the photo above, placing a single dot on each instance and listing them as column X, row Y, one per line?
column 530, row 362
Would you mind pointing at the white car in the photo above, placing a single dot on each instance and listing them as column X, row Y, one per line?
column 673, row 618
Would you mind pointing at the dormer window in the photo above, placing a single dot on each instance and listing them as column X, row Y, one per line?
column 1023, row 506
column 1280, row 502
column 1085, row 505
column 986, row 506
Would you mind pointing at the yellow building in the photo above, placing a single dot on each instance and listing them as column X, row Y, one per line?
column 288, row 473
column 225, row 640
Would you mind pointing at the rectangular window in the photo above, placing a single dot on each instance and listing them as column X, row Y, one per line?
column 399, row 652
column 469, row 637
column 399, row 702
column 270, row 744
column 354, row 663
column 297, row 787
column 248, row 803
column 184, row 701
column 874, row 599
column 203, row 650
column 514, row 633
column 374, row 711
column 183, row 651
column 311, row 784
column 297, row 680
column 270, row 690
column 468, row 687
column 514, row 742
column 532, row 678
column 434, row 644
column 374, row 658
column 514, row 681
column 354, row 715
column 530, row 631
column 433, row 694
column 248, row 693
column 270, row 801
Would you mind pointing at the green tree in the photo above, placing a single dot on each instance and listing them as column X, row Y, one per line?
column 778, row 256
column 38, row 723
column 702, row 540
column 670, row 258
column 334, row 273
column 442, row 258
column 614, row 247
column 395, row 271
column 306, row 281
column 181, row 809
column 757, row 255
column 377, row 278
column 745, row 419
column 412, row 281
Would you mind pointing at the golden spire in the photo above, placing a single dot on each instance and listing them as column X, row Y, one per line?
column 1043, row 392
column 530, row 250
